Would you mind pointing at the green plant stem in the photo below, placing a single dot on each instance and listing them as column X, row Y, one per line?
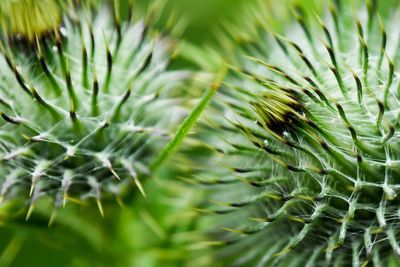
column 11, row 251
column 188, row 123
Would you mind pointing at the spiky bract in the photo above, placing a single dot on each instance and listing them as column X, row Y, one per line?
column 312, row 145
column 84, row 110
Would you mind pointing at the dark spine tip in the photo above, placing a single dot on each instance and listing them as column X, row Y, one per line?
column 146, row 63
column 239, row 170
column 105, row 125
column 255, row 184
column 95, row 87
column 293, row 168
column 238, row 205
column 324, row 145
column 323, row 171
column 9, row 119
column 390, row 134
column 126, row 95
column 352, row 133
column 72, row 115
column 109, row 60
column 359, row 158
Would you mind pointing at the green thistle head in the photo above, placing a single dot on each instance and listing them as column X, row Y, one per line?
column 85, row 110
column 312, row 145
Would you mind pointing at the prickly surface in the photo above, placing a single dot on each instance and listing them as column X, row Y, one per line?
column 309, row 146
column 84, row 110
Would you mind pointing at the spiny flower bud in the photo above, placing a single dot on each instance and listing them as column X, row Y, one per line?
column 84, row 110
column 312, row 147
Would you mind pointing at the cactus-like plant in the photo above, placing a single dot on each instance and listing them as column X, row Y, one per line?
column 311, row 145
column 84, row 108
